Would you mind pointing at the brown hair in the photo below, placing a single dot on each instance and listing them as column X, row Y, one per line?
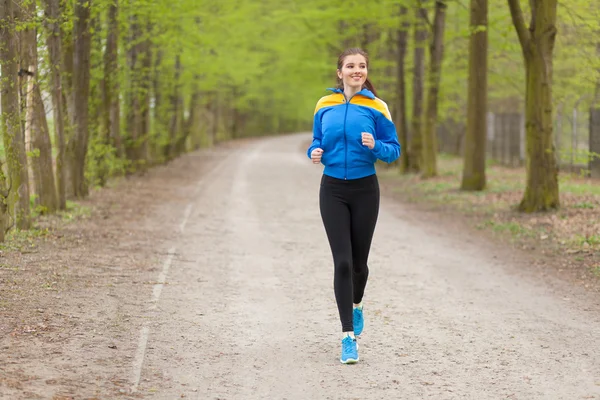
column 340, row 64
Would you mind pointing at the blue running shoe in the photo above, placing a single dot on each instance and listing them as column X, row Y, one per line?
column 359, row 321
column 349, row 351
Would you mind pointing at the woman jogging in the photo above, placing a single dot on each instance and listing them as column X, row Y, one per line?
column 352, row 129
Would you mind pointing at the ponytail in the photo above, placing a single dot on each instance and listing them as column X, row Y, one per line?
column 370, row 86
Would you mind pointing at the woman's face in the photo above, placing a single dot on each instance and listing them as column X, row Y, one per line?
column 354, row 71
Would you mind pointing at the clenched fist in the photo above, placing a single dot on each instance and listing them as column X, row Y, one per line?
column 368, row 140
column 316, row 155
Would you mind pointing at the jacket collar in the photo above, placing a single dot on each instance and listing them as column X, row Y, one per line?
column 364, row 92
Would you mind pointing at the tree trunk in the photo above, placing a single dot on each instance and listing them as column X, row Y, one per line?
column 14, row 143
column 110, row 117
column 537, row 43
column 597, row 93
column 145, row 86
column 161, row 124
column 3, row 190
column 193, row 121
column 474, row 157
column 111, row 67
column 175, row 125
column 9, row 100
column 81, row 90
column 134, row 114
column 53, row 42
column 401, row 115
column 433, row 81
column 416, row 140
column 40, row 146
column 67, row 48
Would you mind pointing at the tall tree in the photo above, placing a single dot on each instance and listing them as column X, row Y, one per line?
column 420, row 40
column 176, row 103
column 436, row 54
column 81, row 90
column 537, row 44
column 14, row 142
column 597, row 90
column 401, row 109
column 112, row 108
column 53, row 42
column 473, row 177
column 40, row 146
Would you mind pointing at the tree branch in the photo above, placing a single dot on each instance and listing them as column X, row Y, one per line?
column 423, row 12
column 519, row 23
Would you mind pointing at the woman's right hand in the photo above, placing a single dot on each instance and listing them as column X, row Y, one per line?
column 316, row 155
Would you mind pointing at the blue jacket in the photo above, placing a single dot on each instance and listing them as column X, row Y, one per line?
column 337, row 129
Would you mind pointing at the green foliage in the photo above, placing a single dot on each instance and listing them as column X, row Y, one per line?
column 22, row 240
column 584, row 205
column 270, row 61
column 103, row 163
column 75, row 211
column 514, row 228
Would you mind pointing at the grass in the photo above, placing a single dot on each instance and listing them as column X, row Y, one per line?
column 75, row 211
column 19, row 240
column 25, row 240
column 572, row 231
column 514, row 228
column 593, row 240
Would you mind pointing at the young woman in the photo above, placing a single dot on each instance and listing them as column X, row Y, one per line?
column 352, row 129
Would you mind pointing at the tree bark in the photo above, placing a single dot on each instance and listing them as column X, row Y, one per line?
column 67, row 49
column 597, row 92
column 111, row 84
column 473, row 177
column 133, row 132
column 537, row 43
column 3, row 189
column 40, row 146
column 54, row 44
column 401, row 114
column 14, row 143
column 176, row 102
column 433, row 81
column 416, row 139
column 192, row 123
column 146, row 86
column 160, row 107
column 81, row 90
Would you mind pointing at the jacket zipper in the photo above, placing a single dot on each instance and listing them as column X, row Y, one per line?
column 346, row 138
column 346, row 144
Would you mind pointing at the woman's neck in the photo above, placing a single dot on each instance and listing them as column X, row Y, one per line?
column 349, row 91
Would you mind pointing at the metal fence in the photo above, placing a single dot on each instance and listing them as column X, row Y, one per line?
column 576, row 139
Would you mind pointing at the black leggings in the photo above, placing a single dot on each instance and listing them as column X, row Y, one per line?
column 349, row 209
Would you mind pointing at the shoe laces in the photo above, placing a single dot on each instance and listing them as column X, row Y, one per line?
column 358, row 313
column 348, row 344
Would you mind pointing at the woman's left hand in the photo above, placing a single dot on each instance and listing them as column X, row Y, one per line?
column 368, row 140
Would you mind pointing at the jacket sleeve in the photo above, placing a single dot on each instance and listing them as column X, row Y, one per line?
column 317, row 134
column 387, row 147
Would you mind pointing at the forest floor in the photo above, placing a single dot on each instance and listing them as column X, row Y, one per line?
column 211, row 278
column 566, row 241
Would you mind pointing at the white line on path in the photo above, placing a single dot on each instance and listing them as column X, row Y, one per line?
column 188, row 211
column 139, row 357
column 141, row 350
column 162, row 277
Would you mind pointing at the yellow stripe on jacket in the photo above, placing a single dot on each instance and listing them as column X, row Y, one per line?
column 376, row 104
column 335, row 99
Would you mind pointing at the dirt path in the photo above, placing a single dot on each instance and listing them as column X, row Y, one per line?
column 219, row 286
